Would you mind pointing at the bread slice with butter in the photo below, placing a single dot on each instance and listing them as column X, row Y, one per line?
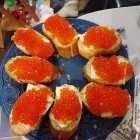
column 66, row 112
column 62, row 34
column 99, row 40
column 33, row 70
column 33, row 43
column 114, row 70
column 29, row 109
column 106, row 101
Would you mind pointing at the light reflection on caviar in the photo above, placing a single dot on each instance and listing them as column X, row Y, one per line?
column 109, row 69
column 100, row 37
column 102, row 99
column 33, row 43
column 31, row 68
column 60, row 28
column 30, row 105
column 67, row 107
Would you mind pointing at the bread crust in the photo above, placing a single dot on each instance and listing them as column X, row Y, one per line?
column 92, row 51
column 67, row 131
column 67, row 51
column 87, row 74
column 62, row 134
column 13, row 76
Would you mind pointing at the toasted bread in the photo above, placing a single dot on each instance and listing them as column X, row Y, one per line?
column 34, row 70
column 33, row 43
column 105, row 101
column 110, row 74
column 62, row 34
column 99, row 40
column 66, row 112
column 29, row 109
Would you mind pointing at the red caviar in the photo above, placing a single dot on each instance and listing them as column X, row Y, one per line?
column 61, row 71
column 31, row 68
column 30, row 106
column 100, row 37
column 109, row 69
column 33, row 43
column 67, row 107
column 129, row 69
column 102, row 99
column 60, row 28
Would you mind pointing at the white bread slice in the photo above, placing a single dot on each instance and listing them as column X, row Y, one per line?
column 101, row 104
column 89, row 51
column 22, row 80
column 44, row 51
column 91, row 76
column 65, row 50
column 20, row 128
column 59, row 128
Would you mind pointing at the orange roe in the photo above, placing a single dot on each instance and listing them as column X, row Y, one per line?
column 31, row 68
column 100, row 37
column 30, row 106
column 60, row 28
column 102, row 99
column 108, row 68
column 33, row 43
column 67, row 107
column 129, row 69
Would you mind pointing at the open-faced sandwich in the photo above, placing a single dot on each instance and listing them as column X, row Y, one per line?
column 114, row 70
column 106, row 101
column 99, row 40
column 66, row 112
column 29, row 108
column 62, row 34
column 26, row 69
column 33, row 43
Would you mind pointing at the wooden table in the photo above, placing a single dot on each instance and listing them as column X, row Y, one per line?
column 7, row 43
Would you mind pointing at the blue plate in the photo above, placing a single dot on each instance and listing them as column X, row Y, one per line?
column 10, row 90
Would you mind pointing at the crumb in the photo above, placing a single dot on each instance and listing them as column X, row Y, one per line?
column 77, row 137
column 95, row 126
column 59, row 75
column 68, row 78
column 61, row 71
column 57, row 56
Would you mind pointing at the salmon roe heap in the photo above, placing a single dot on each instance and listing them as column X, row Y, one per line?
column 129, row 69
column 60, row 28
column 68, row 107
column 102, row 99
column 100, row 37
column 109, row 69
column 31, row 68
column 30, row 106
column 33, row 43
